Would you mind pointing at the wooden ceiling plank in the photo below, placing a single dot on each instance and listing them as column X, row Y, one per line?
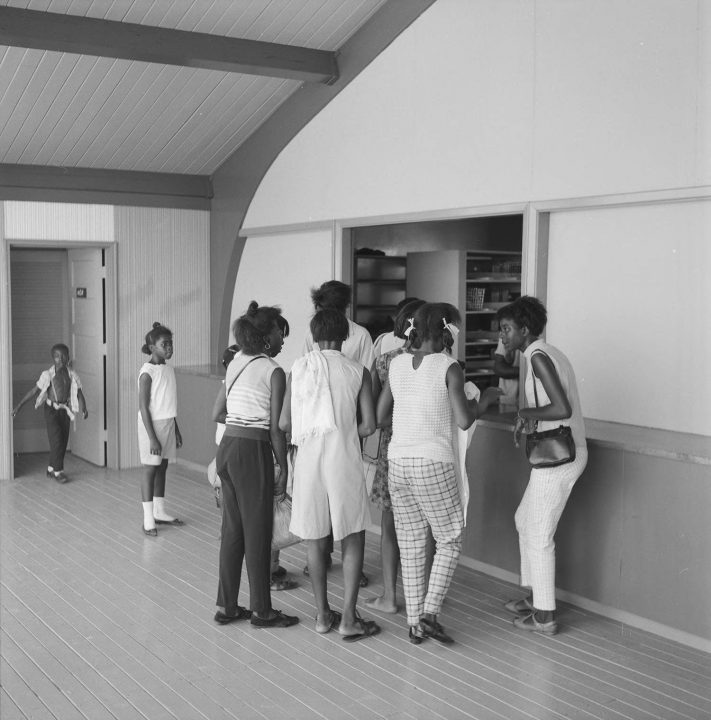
column 131, row 41
column 226, row 112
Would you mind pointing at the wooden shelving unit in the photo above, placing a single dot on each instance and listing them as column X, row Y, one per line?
column 379, row 283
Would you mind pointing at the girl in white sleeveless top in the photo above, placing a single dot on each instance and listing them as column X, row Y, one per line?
column 555, row 402
column 424, row 393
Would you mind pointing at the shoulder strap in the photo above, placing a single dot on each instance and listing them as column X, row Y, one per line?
column 533, row 372
column 244, row 367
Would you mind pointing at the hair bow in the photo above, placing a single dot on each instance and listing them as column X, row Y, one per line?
column 453, row 329
column 410, row 327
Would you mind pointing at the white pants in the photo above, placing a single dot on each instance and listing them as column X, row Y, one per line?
column 537, row 520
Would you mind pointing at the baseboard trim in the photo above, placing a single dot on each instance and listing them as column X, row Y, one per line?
column 621, row 616
column 196, row 467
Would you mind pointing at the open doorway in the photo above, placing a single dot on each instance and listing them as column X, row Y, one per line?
column 63, row 294
column 474, row 263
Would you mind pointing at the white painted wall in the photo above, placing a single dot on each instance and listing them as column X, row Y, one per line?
column 628, row 300
column 505, row 101
column 281, row 269
column 499, row 101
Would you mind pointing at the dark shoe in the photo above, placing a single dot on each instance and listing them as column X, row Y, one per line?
column 241, row 614
column 60, row 477
column 50, row 474
column 280, row 572
column 174, row 521
column 519, row 607
column 415, row 635
column 363, row 580
column 530, row 623
column 368, row 628
column 278, row 621
column 432, row 629
column 278, row 584
column 151, row 533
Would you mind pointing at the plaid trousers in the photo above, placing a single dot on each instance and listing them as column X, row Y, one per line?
column 424, row 493
column 537, row 520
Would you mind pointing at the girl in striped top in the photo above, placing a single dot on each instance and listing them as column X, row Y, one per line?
column 250, row 405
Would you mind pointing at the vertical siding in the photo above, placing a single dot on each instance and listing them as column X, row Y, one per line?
column 5, row 389
column 163, row 274
column 62, row 222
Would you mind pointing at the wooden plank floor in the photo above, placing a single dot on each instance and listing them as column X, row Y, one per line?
column 99, row 621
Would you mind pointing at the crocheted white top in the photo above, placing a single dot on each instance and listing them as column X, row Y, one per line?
column 422, row 413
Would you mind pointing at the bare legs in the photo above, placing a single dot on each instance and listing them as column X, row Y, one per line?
column 390, row 559
column 153, row 481
column 352, row 547
column 316, row 551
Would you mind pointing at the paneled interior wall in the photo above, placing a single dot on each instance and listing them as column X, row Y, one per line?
column 628, row 299
column 163, row 275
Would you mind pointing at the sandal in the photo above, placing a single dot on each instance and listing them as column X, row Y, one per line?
column 335, row 621
column 416, row 635
column 519, row 607
column 368, row 628
column 151, row 533
column 530, row 623
column 432, row 629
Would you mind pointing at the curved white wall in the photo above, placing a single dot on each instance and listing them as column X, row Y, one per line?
column 500, row 101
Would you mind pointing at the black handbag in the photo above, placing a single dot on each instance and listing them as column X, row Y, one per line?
column 549, row 448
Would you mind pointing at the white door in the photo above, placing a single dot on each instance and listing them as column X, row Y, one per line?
column 87, row 280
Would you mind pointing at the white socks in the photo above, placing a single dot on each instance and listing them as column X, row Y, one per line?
column 159, row 512
column 148, row 522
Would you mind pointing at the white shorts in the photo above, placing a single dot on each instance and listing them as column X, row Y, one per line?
column 165, row 432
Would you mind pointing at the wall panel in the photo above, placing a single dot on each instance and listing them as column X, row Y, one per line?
column 627, row 296
column 163, row 275
column 5, row 386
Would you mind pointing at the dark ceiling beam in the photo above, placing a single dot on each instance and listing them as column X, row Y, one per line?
column 114, row 187
column 130, row 41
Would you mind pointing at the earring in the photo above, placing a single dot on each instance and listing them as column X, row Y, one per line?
column 267, row 346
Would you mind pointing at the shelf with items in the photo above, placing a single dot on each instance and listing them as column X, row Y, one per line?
column 478, row 282
column 379, row 283
column 493, row 279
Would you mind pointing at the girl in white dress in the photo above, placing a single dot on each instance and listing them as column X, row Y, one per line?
column 324, row 395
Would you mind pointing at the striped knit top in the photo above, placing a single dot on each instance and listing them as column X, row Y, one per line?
column 422, row 413
column 249, row 397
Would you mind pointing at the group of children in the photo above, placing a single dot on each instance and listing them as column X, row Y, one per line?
column 416, row 394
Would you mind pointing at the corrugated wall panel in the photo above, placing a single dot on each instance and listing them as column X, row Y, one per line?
column 61, row 222
column 5, row 388
column 163, row 275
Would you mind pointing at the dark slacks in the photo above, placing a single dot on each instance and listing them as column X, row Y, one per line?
column 246, row 469
column 58, row 424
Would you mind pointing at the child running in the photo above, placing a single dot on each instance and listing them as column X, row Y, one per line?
column 424, row 393
column 324, row 395
column 158, row 432
column 58, row 391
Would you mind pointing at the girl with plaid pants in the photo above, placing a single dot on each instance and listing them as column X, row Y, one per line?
column 423, row 395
